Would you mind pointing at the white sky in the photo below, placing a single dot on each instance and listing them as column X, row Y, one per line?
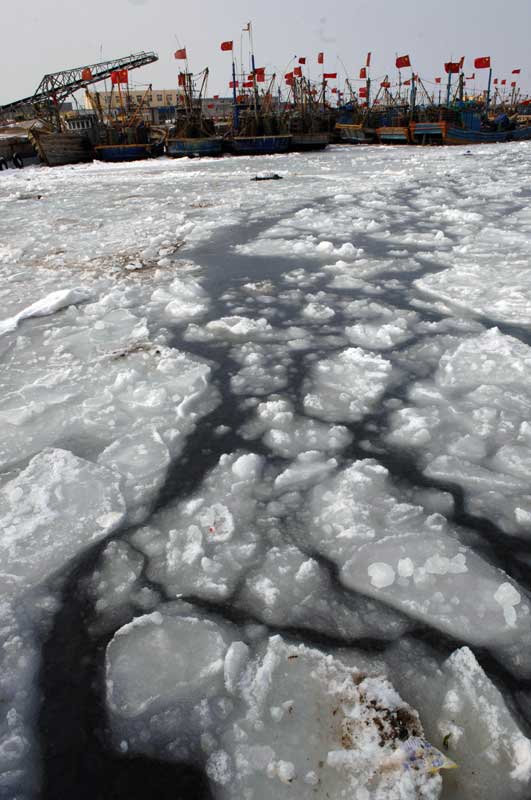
column 43, row 36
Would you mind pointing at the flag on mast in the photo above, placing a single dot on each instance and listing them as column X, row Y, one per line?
column 403, row 61
column 180, row 54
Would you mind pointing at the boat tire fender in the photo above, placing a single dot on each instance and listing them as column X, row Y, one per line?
column 17, row 161
column 3, row 164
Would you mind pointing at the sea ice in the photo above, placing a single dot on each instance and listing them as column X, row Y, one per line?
column 465, row 715
column 392, row 550
column 470, row 426
column 346, row 386
column 243, row 708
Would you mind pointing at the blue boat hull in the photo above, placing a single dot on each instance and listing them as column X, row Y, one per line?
column 465, row 136
column 194, row 148
column 127, row 152
column 259, row 145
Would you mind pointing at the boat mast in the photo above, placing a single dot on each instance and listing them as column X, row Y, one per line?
column 487, row 104
column 413, row 97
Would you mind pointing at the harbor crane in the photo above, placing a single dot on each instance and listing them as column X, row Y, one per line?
column 54, row 88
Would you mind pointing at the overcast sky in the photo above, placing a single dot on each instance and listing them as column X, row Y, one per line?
column 41, row 36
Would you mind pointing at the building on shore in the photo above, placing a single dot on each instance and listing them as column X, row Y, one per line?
column 157, row 105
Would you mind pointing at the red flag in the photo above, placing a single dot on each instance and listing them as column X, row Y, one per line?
column 320, row 58
column 334, row 90
column 516, row 71
column 210, row 105
column 297, row 71
column 260, row 75
column 86, row 74
column 330, row 76
column 363, row 74
column 407, row 83
column 216, row 97
column 368, row 61
column 473, row 78
column 513, row 84
column 482, row 63
column 233, row 85
column 302, row 60
column 119, row 76
column 226, row 46
column 248, row 84
column 495, row 81
column 362, row 91
column 289, row 76
column 403, row 61
column 503, row 82
column 385, row 85
column 437, row 80
column 451, row 67
column 181, row 79
column 180, row 54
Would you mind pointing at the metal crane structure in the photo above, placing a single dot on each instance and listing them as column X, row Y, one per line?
column 54, row 88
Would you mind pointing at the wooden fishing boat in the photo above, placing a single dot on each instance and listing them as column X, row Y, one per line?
column 57, row 149
column 258, row 145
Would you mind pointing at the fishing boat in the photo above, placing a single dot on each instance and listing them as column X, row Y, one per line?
column 56, row 148
column 127, row 137
column 259, row 126
column 128, row 152
column 258, row 145
column 192, row 134
column 62, row 137
column 393, row 134
column 308, row 122
column 194, row 147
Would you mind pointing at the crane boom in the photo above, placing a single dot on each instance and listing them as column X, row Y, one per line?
column 57, row 86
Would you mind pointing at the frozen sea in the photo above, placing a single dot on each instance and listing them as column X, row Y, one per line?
column 265, row 459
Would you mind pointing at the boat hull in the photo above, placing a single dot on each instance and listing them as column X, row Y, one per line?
column 428, row 132
column 354, row 134
column 58, row 149
column 465, row 136
column 194, row 148
column 127, row 152
column 309, row 141
column 258, row 145
column 393, row 135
